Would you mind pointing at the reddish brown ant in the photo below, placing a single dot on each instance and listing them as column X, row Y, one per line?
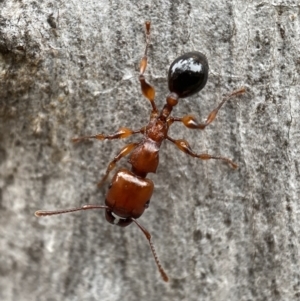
column 130, row 191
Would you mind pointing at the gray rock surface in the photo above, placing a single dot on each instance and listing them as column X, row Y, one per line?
column 71, row 68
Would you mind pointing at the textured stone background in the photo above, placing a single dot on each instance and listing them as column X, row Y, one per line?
column 220, row 234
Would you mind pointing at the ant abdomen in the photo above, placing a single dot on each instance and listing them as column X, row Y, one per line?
column 188, row 74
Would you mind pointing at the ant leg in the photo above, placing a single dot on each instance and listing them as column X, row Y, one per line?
column 120, row 134
column 184, row 146
column 148, row 236
column 190, row 121
column 124, row 151
column 147, row 90
column 40, row 213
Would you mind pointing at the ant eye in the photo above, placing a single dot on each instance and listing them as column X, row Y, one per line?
column 147, row 204
column 188, row 74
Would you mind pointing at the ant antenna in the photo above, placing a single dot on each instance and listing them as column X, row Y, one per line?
column 40, row 213
column 148, row 236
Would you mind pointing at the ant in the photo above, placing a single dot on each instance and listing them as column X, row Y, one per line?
column 130, row 191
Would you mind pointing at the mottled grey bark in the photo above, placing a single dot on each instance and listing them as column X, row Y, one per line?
column 71, row 68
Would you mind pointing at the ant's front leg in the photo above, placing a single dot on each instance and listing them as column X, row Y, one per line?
column 190, row 121
column 120, row 134
column 184, row 146
column 124, row 152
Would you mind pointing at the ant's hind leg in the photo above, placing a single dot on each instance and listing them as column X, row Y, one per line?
column 147, row 90
column 184, row 146
column 124, row 152
column 190, row 121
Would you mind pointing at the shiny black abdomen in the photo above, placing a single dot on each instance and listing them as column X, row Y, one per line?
column 188, row 74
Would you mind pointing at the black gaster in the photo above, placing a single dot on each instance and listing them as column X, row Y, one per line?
column 188, row 74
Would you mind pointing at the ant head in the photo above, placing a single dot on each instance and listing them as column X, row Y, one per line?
column 188, row 74
column 112, row 219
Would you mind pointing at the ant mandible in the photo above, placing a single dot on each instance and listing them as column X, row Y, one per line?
column 130, row 191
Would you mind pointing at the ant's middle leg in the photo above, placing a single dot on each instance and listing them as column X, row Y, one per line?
column 124, row 151
column 190, row 121
column 147, row 90
column 120, row 134
column 184, row 146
